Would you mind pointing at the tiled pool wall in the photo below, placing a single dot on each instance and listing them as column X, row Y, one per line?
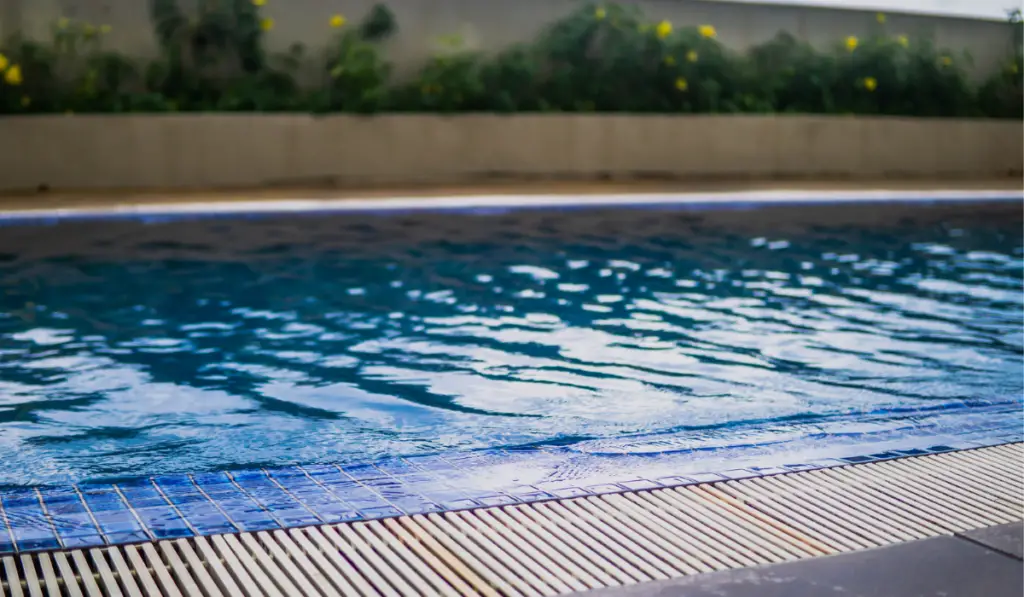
column 173, row 506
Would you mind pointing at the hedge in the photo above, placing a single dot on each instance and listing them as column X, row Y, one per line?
column 599, row 58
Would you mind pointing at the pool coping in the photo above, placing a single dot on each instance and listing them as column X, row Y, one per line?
column 499, row 202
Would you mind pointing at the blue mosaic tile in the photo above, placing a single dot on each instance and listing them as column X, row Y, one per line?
column 639, row 484
column 460, row 505
column 740, row 473
column 71, row 520
column 383, row 512
column 562, row 489
column 274, row 500
column 885, row 455
column 142, row 494
column 706, row 477
column 429, row 463
column 245, row 513
column 31, row 528
column 521, row 491
column 851, row 460
column 605, row 488
column 314, row 497
column 401, row 497
column 675, row 481
column 497, row 500
column 914, row 452
column 163, row 522
column 205, row 518
column 348, row 491
column 6, row 539
column 764, row 471
column 363, row 472
column 395, row 467
column 207, row 503
column 116, row 520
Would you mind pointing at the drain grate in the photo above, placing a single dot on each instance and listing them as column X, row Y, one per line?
column 560, row 546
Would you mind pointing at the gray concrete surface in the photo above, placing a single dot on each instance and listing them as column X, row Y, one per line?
column 1005, row 538
column 491, row 24
column 938, row 567
column 242, row 150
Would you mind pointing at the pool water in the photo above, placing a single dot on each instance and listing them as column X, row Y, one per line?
column 133, row 347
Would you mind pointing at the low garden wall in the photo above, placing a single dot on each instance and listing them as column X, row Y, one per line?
column 211, row 151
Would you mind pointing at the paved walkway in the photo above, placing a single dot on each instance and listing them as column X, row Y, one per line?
column 982, row 563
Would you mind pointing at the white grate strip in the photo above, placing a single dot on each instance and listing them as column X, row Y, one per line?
column 561, row 546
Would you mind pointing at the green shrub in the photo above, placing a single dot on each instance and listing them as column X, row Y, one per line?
column 450, row 81
column 598, row 58
column 1002, row 95
column 356, row 76
column 791, row 76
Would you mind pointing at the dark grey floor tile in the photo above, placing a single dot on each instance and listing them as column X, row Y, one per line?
column 939, row 567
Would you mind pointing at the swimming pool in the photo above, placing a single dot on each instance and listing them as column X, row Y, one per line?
column 155, row 346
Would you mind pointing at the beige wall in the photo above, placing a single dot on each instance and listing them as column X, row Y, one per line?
column 491, row 24
column 210, row 151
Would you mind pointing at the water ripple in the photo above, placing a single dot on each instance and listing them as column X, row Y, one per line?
column 129, row 348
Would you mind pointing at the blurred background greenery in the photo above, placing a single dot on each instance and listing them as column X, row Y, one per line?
column 599, row 58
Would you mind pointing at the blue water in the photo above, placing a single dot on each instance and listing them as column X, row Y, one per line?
column 138, row 348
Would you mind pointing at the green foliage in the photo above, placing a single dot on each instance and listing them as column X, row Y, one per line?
column 71, row 73
column 1002, row 95
column 357, row 75
column 378, row 25
column 598, row 58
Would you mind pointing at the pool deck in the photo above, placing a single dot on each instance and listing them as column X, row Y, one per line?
column 986, row 562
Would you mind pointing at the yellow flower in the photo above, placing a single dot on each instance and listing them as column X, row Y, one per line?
column 267, row 24
column 63, row 23
column 337, row 21
column 670, row 60
column 681, row 84
column 1013, row 68
column 903, row 40
column 26, row 101
column 664, row 29
column 691, row 56
column 3, row 63
column 259, row 2
column 880, row 17
column 870, row 83
column 851, row 43
column 13, row 75
column 105, row 29
column 947, row 61
column 89, row 30
column 708, row 31
column 599, row 13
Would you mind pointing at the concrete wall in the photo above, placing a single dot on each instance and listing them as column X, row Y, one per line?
column 492, row 24
column 210, row 151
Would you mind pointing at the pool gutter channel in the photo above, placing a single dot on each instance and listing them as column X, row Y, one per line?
column 565, row 545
